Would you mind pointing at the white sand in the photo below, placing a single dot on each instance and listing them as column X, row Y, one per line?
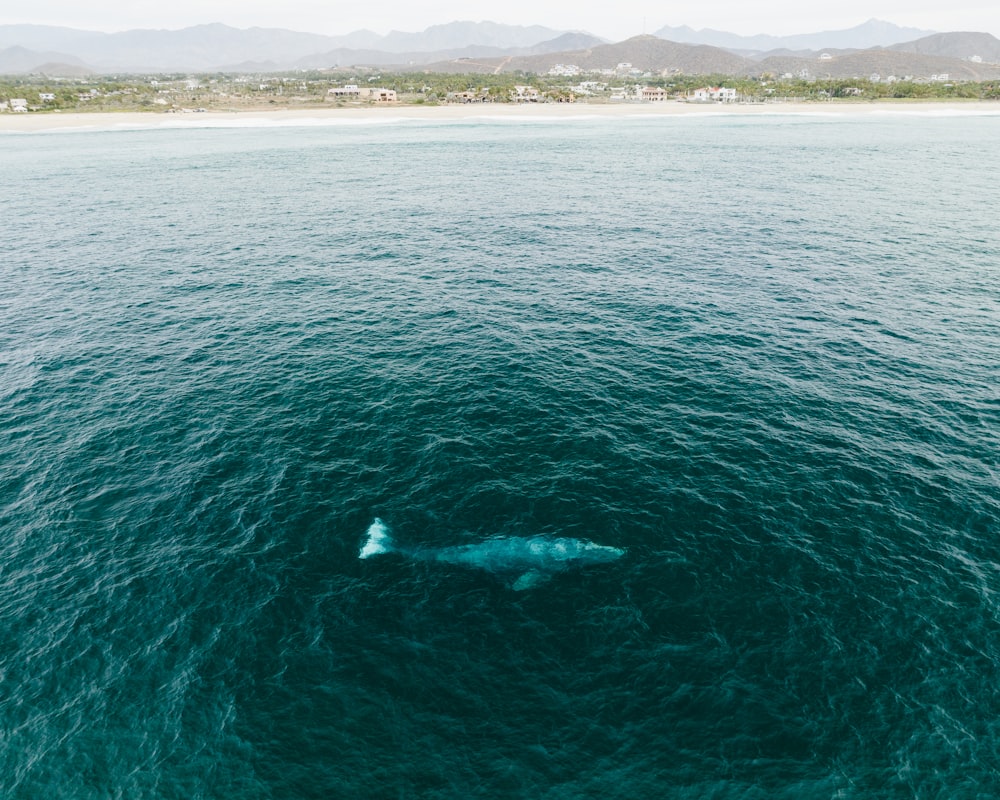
column 37, row 122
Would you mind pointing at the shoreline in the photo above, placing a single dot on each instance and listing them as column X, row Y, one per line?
column 136, row 120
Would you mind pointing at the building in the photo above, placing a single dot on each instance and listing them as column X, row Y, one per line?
column 654, row 94
column 589, row 87
column 350, row 91
column 19, row 105
column 565, row 70
column 713, row 94
column 525, row 94
column 468, row 96
column 353, row 92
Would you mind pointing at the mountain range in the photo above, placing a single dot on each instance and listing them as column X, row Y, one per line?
column 874, row 46
column 960, row 56
column 218, row 47
column 873, row 33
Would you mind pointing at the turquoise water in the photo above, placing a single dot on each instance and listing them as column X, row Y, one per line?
column 759, row 356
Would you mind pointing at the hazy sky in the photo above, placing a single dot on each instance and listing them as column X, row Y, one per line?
column 614, row 20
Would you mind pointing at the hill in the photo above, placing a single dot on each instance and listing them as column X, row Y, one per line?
column 955, row 45
column 873, row 33
column 657, row 56
column 645, row 53
column 18, row 60
column 489, row 48
column 427, row 60
column 208, row 48
column 878, row 61
column 457, row 35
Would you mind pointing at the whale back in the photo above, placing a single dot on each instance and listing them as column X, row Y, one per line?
column 524, row 561
column 521, row 554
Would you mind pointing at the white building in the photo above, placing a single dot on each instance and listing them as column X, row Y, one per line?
column 19, row 105
column 565, row 70
column 589, row 87
column 351, row 90
column 525, row 94
column 354, row 92
column 713, row 94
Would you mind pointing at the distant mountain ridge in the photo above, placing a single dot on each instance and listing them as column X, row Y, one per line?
column 963, row 45
column 210, row 47
column 646, row 53
column 873, row 33
column 488, row 47
column 463, row 34
column 16, row 60
column 658, row 56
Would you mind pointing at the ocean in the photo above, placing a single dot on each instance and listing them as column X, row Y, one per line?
column 756, row 359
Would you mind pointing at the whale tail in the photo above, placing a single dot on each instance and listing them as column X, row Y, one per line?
column 377, row 540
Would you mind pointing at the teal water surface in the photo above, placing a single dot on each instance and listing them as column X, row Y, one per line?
column 759, row 356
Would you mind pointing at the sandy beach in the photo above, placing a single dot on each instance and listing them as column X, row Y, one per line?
column 41, row 122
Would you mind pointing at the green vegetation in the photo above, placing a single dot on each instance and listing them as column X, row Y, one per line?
column 311, row 89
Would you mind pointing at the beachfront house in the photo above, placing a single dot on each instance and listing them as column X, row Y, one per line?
column 351, row 91
column 354, row 92
column 654, row 94
column 468, row 96
column 19, row 105
column 525, row 94
column 713, row 94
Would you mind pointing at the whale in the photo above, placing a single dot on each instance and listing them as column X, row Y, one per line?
column 523, row 561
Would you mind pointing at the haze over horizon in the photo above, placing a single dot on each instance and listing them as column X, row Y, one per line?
column 627, row 19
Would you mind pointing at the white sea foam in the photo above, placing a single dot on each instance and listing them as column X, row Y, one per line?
column 377, row 541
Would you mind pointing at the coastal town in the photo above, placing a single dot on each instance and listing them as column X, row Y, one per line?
column 620, row 84
column 219, row 68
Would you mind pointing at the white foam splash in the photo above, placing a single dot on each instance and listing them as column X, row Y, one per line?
column 377, row 541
